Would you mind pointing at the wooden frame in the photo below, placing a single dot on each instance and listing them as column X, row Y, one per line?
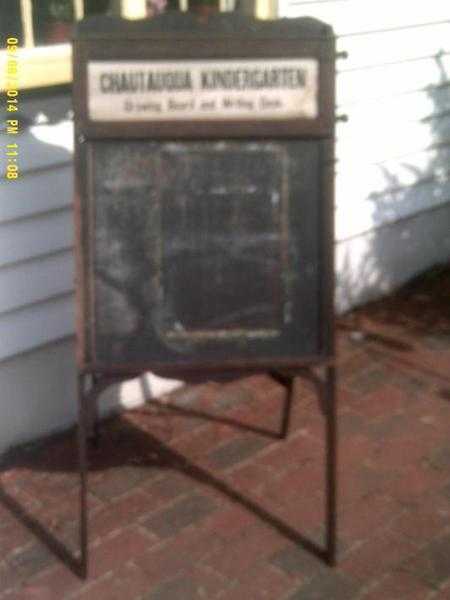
column 248, row 39
column 184, row 46
column 40, row 66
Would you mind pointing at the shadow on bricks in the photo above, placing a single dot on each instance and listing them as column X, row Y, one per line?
column 126, row 446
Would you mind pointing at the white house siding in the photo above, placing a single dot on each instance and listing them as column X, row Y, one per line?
column 392, row 199
column 393, row 167
column 36, row 277
column 36, row 265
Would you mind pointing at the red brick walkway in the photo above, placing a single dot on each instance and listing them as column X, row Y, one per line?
column 186, row 500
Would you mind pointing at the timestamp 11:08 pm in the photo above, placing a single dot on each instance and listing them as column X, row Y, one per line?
column 12, row 169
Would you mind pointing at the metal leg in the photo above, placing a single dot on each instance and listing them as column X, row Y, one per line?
column 287, row 409
column 329, row 389
column 83, row 469
column 287, row 381
column 94, row 422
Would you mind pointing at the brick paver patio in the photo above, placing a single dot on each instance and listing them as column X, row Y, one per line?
column 188, row 496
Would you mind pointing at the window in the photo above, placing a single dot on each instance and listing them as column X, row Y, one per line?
column 43, row 28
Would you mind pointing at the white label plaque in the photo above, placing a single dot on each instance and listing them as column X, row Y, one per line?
column 203, row 90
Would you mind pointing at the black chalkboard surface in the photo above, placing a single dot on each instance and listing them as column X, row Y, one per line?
column 203, row 250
